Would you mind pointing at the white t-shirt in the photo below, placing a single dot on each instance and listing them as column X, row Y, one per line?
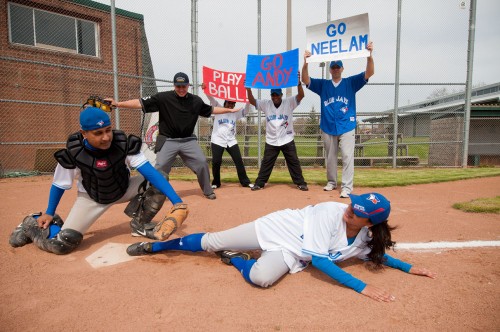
column 63, row 177
column 279, row 121
column 224, row 132
column 314, row 230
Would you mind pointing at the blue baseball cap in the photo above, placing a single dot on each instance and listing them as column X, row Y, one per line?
column 373, row 206
column 276, row 91
column 336, row 63
column 92, row 118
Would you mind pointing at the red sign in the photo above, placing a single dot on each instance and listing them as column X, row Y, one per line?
column 225, row 85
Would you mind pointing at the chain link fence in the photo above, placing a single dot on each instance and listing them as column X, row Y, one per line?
column 54, row 54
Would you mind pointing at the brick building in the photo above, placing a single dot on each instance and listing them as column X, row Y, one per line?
column 53, row 55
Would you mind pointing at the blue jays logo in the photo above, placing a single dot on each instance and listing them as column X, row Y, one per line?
column 373, row 199
column 285, row 124
column 100, row 123
column 344, row 109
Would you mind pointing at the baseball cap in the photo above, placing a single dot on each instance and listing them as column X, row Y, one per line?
column 277, row 91
column 373, row 206
column 181, row 79
column 336, row 63
column 92, row 118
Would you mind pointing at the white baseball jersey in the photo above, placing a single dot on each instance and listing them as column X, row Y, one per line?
column 224, row 132
column 317, row 230
column 279, row 121
column 63, row 177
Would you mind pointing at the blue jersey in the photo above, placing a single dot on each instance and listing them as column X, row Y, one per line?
column 338, row 104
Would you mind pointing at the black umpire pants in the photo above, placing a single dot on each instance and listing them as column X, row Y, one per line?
column 271, row 153
column 234, row 152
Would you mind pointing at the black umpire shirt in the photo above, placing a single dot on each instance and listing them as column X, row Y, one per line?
column 177, row 115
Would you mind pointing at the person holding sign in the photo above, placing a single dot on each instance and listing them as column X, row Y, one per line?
column 178, row 113
column 279, row 135
column 223, row 138
column 338, row 117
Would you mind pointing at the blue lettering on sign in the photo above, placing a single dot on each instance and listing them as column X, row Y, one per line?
column 336, row 46
column 331, row 30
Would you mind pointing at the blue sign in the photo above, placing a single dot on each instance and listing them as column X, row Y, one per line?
column 273, row 70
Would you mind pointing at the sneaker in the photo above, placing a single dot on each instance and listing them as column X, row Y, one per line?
column 256, row 187
column 329, row 187
column 225, row 256
column 139, row 229
column 344, row 194
column 251, row 185
column 211, row 196
column 214, row 186
column 140, row 249
column 302, row 187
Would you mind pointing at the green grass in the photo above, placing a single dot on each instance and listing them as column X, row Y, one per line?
column 377, row 147
column 362, row 177
column 480, row 205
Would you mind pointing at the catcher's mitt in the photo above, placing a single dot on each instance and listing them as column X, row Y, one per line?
column 174, row 219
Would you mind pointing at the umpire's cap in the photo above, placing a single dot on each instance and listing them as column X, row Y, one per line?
column 181, row 79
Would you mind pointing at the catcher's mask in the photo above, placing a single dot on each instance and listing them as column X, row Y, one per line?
column 95, row 101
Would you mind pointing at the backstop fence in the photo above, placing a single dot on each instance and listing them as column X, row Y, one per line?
column 417, row 110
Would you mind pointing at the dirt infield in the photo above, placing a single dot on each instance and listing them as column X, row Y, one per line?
column 196, row 292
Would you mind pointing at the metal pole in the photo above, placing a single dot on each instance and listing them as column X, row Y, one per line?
column 115, row 63
column 396, row 90
column 289, row 35
column 259, row 50
column 468, row 84
column 328, row 18
column 194, row 45
column 194, row 53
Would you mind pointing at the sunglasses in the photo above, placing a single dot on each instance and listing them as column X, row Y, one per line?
column 95, row 101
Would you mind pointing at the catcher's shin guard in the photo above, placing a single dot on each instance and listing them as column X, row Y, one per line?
column 173, row 220
column 142, row 208
column 64, row 243
column 18, row 238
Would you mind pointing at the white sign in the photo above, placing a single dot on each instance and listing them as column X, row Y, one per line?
column 337, row 40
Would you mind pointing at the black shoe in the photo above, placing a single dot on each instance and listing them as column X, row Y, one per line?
column 303, row 187
column 140, row 249
column 225, row 256
column 139, row 229
column 256, row 187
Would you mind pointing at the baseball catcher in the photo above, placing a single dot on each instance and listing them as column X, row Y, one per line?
column 100, row 158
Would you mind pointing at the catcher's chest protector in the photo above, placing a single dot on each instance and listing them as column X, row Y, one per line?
column 105, row 175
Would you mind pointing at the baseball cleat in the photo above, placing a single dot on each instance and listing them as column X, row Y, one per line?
column 302, row 187
column 140, row 249
column 225, row 256
column 329, row 187
column 344, row 194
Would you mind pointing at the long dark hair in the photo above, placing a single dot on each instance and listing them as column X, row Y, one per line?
column 381, row 240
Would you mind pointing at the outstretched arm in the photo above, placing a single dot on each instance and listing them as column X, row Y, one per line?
column 251, row 98
column 152, row 175
column 370, row 66
column 300, row 90
column 400, row 265
column 132, row 103
column 305, row 69
column 211, row 99
column 222, row 110
column 336, row 273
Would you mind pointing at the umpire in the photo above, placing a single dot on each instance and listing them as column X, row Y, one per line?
column 178, row 113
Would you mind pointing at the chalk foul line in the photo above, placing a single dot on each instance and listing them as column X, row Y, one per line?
column 446, row 245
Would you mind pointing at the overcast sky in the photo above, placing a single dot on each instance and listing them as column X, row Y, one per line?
column 433, row 40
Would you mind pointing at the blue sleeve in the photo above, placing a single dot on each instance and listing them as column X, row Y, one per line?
column 331, row 269
column 358, row 81
column 54, row 199
column 396, row 263
column 315, row 85
column 152, row 175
